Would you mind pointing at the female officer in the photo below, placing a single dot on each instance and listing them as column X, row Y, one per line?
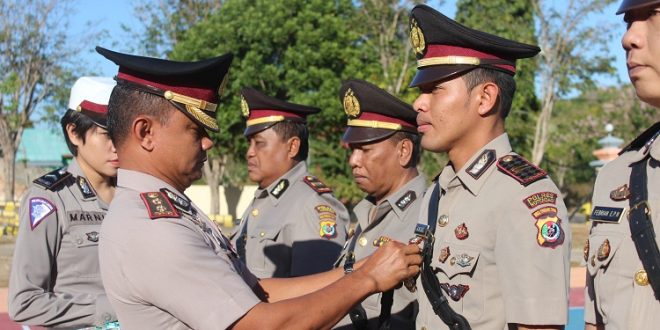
column 55, row 280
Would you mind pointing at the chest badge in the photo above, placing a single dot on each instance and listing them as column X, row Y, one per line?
column 362, row 241
column 93, row 236
column 444, row 254
column 620, row 194
column 461, row 231
column 604, row 250
column 455, row 291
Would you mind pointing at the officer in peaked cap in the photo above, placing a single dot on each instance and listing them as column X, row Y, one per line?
column 274, row 238
column 164, row 263
column 621, row 253
column 55, row 278
column 382, row 134
column 500, row 252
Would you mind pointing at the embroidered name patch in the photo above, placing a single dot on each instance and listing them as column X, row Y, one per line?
column 540, row 198
column 607, row 214
column 40, row 208
column 85, row 218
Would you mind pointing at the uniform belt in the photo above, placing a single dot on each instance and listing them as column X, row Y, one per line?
column 641, row 226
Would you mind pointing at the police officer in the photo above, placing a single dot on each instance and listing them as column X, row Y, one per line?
column 55, row 279
column 500, row 253
column 382, row 134
column 623, row 262
column 294, row 225
column 164, row 264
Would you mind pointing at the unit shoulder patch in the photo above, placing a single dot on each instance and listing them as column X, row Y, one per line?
column 406, row 200
column 40, row 209
column 316, row 184
column 52, row 179
column 158, row 205
column 548, row 225
column 540, row 198
column 520, row 169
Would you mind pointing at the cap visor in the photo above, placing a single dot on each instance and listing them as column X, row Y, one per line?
column 365, row 135
column 98, row 119
column 254, row 129
column 438, row 72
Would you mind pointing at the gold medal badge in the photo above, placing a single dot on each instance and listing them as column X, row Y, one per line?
column 351, row 104
column 245, row 109
column 417, row 37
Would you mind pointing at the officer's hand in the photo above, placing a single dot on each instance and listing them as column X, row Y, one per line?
column 392, row 263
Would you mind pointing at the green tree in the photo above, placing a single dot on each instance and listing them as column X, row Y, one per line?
column 35, row 70
column 511, row 19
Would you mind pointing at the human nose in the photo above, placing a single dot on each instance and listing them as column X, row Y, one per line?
column 207, row 143
column 633, row 36
column 354, row 159
column 421, row 103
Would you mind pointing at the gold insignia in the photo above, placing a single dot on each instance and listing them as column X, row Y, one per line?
column 585, row 250
column 604, row 250
column 362, row 241
column 641, row 278
column 443, row 221
column 417, row 37
column 245, row 109
column 255, row 212
column 351, row 104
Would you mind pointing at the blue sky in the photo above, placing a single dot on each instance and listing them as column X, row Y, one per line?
column 109, row 15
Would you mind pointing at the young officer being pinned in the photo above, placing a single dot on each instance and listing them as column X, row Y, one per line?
column 622, row 256
column 165, row 265
column 382, row 135
column 55, row 278
column 501, row 244
column 294, row 225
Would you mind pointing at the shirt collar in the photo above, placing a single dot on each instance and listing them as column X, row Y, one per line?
column 143, row 182
column 291, row 176
column 416, row 185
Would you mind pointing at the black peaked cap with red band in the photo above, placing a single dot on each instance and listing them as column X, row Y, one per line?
column 192, row 87
column 627, row 5
column 373, row 113
column 445, row 48
column 263, row 111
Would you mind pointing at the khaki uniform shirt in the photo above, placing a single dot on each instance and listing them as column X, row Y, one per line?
column 292, row 229
column 166, row 269
column 398, row 223
column 501, row 249
column 55, row 279
column 612, row 296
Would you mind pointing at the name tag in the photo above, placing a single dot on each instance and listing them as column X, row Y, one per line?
column 607, row 214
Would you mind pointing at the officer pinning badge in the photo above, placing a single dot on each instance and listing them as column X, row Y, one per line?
column 406, row 200
column 481, row 164
column 351, row 104
column 444, row 254
column 607, row 214
column 520, row 169
column 93, row 236
column 85, row 188
column 417, row 40
column 279, row 188
column 158, row 205
column 245, row 109
column 540, row 198
column 328, row 229
column 52, row 179
column 316, row 184
column 443, row 220
column 550, row 233
column 455, row 291
column 620, row 194
column 461, row 231
column 40, row 208
column 585, row 250
column 180, row 203
column 604, row 250
column 381, row 240
column 464, row 260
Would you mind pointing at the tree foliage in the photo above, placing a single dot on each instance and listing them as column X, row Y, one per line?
column 35, row 70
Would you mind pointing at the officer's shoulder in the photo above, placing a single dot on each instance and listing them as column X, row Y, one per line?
column 53, row 180
column 316, row 184
column 520, row 169
column 158, row 205
column 642, row 139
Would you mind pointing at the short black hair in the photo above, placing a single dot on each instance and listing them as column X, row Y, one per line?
column 288, row 129
column 503, row 80
column 417, row 149
column 81, row 124
column 126, row 103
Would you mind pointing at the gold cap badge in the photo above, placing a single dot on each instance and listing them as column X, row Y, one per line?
column 351, row 104
column 417, row 37
column 245, row 109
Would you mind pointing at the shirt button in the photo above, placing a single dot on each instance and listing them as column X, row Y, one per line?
column 107, row 317
column 79, row 240
column 262, row 234
column 443, row 221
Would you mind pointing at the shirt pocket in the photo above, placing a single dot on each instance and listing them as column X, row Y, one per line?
column 602, row 248
column 265, row 252
column 81, row 254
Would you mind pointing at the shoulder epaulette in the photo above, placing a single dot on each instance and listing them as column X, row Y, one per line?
column 52, row 179
column 316, row 184
column 520, row 169
column 158, row 205
column 642, row 139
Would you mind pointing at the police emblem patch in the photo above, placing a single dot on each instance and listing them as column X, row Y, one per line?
column 328, row 229
column 481, row 164
column 158, row 205
column 520, row 169
column 417, row 37
column 40, row 208
column 351, row 104
column 540, row 198
column 550, row 233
